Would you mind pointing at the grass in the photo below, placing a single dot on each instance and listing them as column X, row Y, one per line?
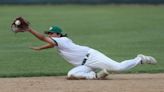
column 119, row 31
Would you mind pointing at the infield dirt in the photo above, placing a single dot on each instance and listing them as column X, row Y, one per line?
column 115, row 83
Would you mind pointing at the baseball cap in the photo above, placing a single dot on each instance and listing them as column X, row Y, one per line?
column 54, row 29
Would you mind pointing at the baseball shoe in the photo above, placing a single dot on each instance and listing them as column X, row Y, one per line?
column 101, row 75
column 147, row 59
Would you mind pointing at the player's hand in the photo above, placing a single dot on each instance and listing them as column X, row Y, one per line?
column 35, row 48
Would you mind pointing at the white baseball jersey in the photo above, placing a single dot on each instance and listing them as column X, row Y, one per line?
column 70, row 51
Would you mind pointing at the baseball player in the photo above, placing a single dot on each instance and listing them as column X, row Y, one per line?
column 85, row 59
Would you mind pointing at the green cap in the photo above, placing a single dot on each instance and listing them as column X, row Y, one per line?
column 54, row 29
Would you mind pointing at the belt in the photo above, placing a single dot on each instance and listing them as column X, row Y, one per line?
column 85, row 59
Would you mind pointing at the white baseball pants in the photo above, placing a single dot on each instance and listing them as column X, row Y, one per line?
column 97, row 60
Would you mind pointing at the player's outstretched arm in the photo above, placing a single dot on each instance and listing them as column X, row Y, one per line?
column 41, row 37
column 21, row 25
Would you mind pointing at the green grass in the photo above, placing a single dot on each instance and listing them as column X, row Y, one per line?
column 121, row 32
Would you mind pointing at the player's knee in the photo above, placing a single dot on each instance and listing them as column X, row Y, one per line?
column 70, row 74
column 90, row 75
column 73, row 76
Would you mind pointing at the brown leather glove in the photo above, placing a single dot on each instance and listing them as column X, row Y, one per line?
column 19, row 25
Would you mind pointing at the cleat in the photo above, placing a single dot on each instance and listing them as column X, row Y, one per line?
column 147, row 59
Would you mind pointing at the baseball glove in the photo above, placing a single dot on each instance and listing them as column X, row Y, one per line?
column 19, row 25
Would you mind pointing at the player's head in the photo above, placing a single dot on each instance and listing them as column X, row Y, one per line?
column 55, row 31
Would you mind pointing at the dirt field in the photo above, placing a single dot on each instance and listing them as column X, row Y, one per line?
column 115, row 83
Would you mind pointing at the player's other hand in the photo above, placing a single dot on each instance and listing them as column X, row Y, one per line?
column 35, row 48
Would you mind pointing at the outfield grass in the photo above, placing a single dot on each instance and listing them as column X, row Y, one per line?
column 121, row 32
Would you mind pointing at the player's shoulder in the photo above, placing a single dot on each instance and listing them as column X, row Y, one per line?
column 61, row 38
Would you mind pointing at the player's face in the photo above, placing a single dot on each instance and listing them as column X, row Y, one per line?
column 53, row 35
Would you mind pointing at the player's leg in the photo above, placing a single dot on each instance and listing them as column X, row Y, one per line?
column 99, row 60
column 127, row 64
column 81, row 72
column 115, row 67
column 140, row 59
column 111, row 65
